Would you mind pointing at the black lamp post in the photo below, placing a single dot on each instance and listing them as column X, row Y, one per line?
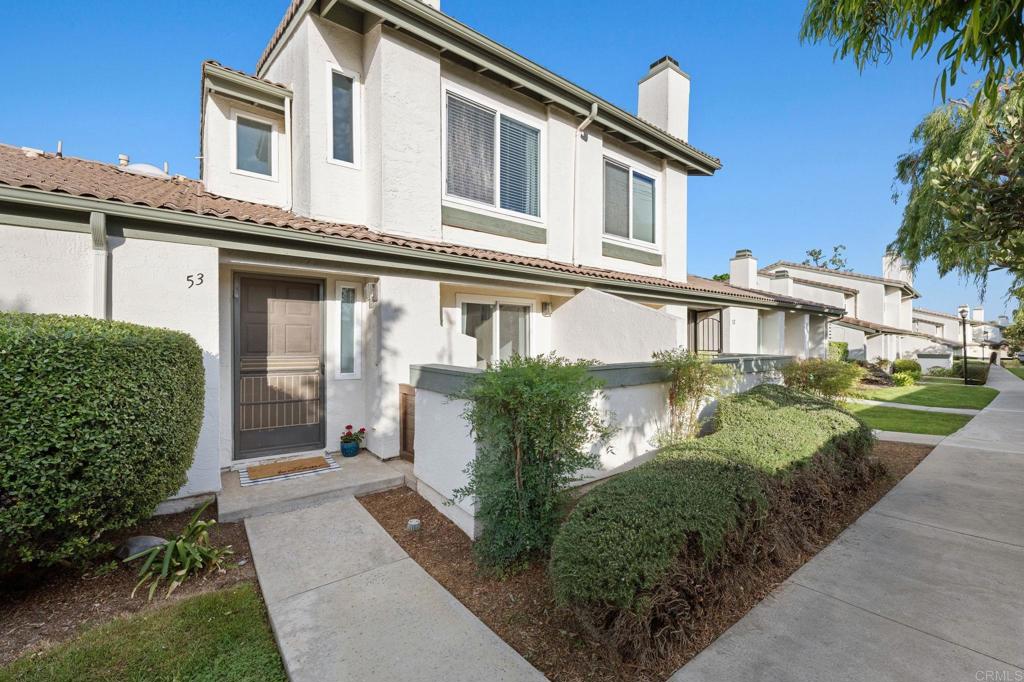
column 963, row 310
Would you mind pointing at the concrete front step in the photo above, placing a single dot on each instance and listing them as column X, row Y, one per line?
column 359, row 475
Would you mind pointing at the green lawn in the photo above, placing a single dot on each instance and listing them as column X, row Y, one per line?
column 218, row 637
column 908, row 421
column 1015, row 368
column 941, row 380
column 933, row 395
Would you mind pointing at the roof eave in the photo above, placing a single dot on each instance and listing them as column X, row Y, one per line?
column 164, row 216
column 449, row 35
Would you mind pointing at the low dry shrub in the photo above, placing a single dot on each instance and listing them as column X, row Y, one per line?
column 829, row 379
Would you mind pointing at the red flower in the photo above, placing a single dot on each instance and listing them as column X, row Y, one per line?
column 349, row 427
column 363, row 430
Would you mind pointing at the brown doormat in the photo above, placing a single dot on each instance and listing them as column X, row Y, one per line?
column 291, row 466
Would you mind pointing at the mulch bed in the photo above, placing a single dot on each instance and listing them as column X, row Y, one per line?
column 521, row 609
column 62, row 601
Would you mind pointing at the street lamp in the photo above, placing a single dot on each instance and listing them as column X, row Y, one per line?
column 962, row 311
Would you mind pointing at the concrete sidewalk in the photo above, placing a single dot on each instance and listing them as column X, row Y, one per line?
column 347, row 603
column 925, row 586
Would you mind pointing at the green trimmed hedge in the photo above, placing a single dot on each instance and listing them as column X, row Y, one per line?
column 628, row 558
column 907, row 366
column 839, row 350
column 98, row 424
column 977, row 370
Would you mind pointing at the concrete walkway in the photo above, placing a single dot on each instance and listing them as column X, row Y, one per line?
column 903, row 437
column 347, row 603
column 920, row 408
column 925, row 586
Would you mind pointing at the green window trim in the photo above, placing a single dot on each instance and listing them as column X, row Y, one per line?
column 623, row 252
column 502, row 227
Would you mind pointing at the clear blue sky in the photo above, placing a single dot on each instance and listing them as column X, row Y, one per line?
column 808, row 145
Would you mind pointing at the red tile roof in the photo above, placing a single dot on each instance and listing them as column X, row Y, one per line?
column 82, row 178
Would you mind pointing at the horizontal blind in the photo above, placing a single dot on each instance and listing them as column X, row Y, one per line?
column 252, row 146
column 643, row 208
column 470, row 158
column 520, row 167
column 616, row 199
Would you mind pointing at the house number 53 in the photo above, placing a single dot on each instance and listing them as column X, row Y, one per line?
column 194, row 280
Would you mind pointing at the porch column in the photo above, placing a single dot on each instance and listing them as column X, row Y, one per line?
column 739, row 330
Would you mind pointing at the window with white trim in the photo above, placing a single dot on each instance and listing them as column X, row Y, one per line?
column 342, row 117
column 491, row 158
column 629, row 206
column 254, row 145
column 501, row 328
column 349, row 331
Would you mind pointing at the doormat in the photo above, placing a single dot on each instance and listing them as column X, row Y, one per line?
column 291, row 468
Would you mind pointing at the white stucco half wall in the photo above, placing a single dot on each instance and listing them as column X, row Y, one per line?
column 595, row 325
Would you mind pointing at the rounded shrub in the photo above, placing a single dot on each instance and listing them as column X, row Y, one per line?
column 904, row 379
column 830, row 379
column 644, row 557
column 98, row 424
column 907, row 366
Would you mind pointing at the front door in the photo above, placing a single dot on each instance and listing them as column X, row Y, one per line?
column 279, row 401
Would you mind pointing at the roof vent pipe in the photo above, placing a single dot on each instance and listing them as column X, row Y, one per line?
column 122, row 160
column 60, row 149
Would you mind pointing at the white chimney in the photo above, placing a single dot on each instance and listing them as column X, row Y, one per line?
column 893, row 268
column 781, row 283
column 978, row 314
column 665, row 98
column 743, row 269
column 122, row 160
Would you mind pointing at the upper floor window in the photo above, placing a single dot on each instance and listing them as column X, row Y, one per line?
column 628, row 203
column 342, row 117
column 492, row 158
column 254, row 145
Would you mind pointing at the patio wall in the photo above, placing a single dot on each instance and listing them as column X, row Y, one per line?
column 634, row 399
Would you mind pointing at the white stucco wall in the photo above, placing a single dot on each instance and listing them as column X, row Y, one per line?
column 639, row 412
column 739, row 330
column 48, row 271
column 797, row 341
column 595, row 325
column 45, row 271
column 149, row 286
column 219, row 172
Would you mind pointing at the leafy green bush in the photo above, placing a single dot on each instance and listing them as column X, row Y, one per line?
column 98, row 424
column 533, row 420
column 830, row 379
column 907, row 366
column 181, row 557
column 693, row 381
column 903, row 379
column 937, row 371
column 838, row 350
column 643, row 556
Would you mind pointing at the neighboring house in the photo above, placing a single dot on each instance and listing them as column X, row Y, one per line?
column 982, row 336
column 389, row 189
column 878, row 310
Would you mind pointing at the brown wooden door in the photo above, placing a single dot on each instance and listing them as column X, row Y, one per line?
column 280, row 367
column 406, row 422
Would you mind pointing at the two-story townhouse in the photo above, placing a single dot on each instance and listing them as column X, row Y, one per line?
column 390, row 188
column 878, row 310
column 983, row 336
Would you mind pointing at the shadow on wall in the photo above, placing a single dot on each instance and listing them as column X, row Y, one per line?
column 384, row 414
column 18, row 304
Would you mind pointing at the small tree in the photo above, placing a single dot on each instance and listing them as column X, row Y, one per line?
column 534, row 422
column 693, row 382
column 837, row 261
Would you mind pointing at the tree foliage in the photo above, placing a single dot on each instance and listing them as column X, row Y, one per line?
column 1014, row 333
column 837, row 261
column 965, row 188
column 535, row 424
column 984, row 34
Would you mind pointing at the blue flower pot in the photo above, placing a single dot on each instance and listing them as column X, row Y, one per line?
column 350, row 449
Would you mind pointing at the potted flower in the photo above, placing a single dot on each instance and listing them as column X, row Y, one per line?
column 351, row 441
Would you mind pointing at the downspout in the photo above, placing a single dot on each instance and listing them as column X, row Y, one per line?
column 290, row 199
column 580, row 132
column 100, row 266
